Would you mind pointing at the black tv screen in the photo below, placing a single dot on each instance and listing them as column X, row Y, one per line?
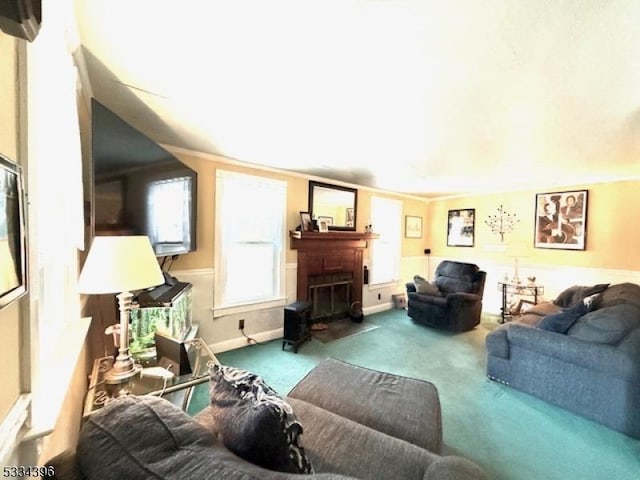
column 139, row 187
column 13, row 282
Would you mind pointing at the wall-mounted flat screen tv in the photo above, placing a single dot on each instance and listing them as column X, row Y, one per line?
column 13, row 272
column 139, row 187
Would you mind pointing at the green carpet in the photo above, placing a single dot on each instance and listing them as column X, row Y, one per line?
column 513, row 436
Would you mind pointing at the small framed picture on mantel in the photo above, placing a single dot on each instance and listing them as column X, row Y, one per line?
column 306, row 225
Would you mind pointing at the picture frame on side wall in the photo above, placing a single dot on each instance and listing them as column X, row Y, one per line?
column 461, row 227
column 412, row 226
column 561, row 220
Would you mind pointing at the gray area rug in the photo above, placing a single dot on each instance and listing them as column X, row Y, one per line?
column 342, row 328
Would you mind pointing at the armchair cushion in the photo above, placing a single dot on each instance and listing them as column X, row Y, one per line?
column 423, row 286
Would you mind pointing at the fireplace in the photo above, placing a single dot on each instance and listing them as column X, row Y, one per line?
column 330, row 295
column 330, row 270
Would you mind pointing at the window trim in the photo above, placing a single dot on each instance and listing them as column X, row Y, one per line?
column 279, row 299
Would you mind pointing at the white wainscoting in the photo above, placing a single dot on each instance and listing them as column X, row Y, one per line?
column 222, row 334
column 554, row 278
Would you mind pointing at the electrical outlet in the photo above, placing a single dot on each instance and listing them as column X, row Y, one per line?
column 241, row 324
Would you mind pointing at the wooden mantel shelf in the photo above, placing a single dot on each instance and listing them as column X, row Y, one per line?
column 332, row 235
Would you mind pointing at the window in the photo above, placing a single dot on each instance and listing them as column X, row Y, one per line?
column 250, row 239
column 169, row 205
column 386, row 218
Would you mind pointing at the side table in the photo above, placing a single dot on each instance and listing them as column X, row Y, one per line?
column 510, row 288
column 177, row 389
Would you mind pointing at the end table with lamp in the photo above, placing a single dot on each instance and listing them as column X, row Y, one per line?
column 120, row 265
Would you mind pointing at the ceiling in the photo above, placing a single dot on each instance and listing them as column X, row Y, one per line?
column 428, row 98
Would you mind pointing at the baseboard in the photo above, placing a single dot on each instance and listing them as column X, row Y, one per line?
column 383, row 307
column 242, row 341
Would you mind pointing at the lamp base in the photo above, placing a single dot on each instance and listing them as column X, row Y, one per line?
column 123, row 370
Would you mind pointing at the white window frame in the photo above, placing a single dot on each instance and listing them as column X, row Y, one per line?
column 386, row 219
column 277, row 298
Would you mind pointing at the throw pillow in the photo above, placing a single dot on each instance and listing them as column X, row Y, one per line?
column 572, row 295
column 423, row 286
column 562, row 321
column 255, row 422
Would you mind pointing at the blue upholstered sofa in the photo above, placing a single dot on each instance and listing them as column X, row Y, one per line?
column 592, row 369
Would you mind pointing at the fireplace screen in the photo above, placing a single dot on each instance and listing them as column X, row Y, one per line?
column 330, row 295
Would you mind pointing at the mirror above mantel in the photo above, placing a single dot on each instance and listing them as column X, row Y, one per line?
column 335, row 204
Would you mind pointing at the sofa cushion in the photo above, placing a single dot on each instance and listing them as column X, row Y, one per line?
column 561, row 321
column 405, row 408
column 576, row 293
column 607, row 325
column 423, row 286
column 255, row 422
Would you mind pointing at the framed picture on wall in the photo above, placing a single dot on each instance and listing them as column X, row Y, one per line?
column 412, row 226
column 561, row 220
column 461, row 227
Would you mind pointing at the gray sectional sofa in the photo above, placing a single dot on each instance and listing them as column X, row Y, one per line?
column 357, row 423
column 584, row 358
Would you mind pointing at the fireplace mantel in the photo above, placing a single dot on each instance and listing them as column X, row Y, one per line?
column 329, row 252
column 306, row 240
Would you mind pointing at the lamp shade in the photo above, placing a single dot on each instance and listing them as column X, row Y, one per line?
column 119, row 264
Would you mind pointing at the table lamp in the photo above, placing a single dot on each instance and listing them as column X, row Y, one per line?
column 120, row 264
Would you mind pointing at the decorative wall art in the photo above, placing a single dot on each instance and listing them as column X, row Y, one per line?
column 501, row 222
column 461, row 227
column 412, row 226
column 561, row 220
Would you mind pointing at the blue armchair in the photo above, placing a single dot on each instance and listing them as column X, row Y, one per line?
column 454, row 299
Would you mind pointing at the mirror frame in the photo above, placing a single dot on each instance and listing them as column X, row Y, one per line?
column 313, row 184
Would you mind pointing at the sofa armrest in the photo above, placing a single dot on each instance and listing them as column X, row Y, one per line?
column 411, row 287
column 454, row 468
column 598, row 357
column 65, row 466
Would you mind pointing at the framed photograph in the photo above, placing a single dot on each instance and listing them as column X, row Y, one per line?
column 327, row 220
column 461, row 227
column 13, row 246
column 350, row 217
column 523, row 306
column 412, row 226
column 323, row 225
column 305, row 222
column 561, row 220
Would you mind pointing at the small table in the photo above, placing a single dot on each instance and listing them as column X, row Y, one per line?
column 177, row 389
column 528, row 289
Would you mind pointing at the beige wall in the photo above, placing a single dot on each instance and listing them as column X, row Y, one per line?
column 612, row 238
column 9, row 316
column 297, row 201
column 612, row 232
